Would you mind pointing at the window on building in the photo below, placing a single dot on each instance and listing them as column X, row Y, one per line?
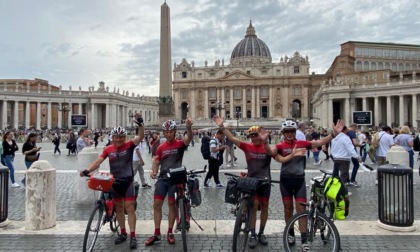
column 386, row 53
column 406, row 54
column 407, row 67
column 359, row 66
column 380, row 66
column 226, row 73
column 374, row 76
column 365, row 52
column 212, row 74
column 278, row 72
column 184, row 75
column 379, row 53
column 373, row 66
column 366, row 77
column 359, row 52
column 212, row 93
column 372, row 52
column 400, row 67
column 413, row 55
column 264, row 92
column 296, row 91
column 248, row 93
column 184, row 94
column 248, row 72
column 366, row 66
column 264, row 72
column 400, row 54
column 394, row 67
column 387, row 65
column 227, row 94
column 393, row 54
column 296, row 69
column 385, row 76
column 238, row 93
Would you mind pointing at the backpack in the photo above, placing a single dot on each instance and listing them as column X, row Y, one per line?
column 231, row 193
column 335, row 190
column 194, row 191
column 375, row 142
column 416, row 143
column 205, row 147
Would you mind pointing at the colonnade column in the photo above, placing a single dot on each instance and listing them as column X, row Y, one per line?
column 376, row 111
column 16, row 115
column 401, row 110
column 69, row 113
column 364, row 104
column 4, row 113
column 38, row 115
column 388, row 111
column 92, row 116
column 27, row 114
column 107, row 115
column 347, row 113
column 414, row 110
column 258, row 107
column 330, row 113
column 244, row 112
column 206, row 104
column 193, row 107
column 49, row 113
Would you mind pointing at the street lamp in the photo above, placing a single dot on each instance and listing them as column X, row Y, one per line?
column 64, row 109
column 219, row 107
column 237, row 115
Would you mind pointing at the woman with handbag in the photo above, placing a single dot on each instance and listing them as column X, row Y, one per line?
column 9, row 149
column 30, row 151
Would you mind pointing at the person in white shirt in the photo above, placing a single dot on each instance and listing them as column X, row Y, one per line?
column 138, row 164
column 386, row 141
column 362, row 141
column 300, row 135
column 342, row 149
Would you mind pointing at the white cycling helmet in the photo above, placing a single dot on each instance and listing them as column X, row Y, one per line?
column 169, row 125
column 288, row 125
column 118, row 131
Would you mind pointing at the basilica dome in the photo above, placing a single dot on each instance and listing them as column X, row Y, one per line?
column 250, row 47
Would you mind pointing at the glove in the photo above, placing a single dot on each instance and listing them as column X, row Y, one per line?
column 86, row 173
column 139, row 121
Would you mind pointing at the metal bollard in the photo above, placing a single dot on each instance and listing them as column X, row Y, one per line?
column 4, row 196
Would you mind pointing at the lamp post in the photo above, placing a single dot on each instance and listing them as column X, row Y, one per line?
column 130, row 117
column 237, row 115
column 219, row 107
column 64, row 109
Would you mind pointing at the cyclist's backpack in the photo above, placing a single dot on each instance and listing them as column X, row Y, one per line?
column 194, row 191
column 205, row 147
column 335, row 190
column 231, row 194
column 416, row 143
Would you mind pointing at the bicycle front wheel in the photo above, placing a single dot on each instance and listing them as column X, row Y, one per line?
column 92, row 228
column 300, row 232
column 183, row 224
column 241, row 230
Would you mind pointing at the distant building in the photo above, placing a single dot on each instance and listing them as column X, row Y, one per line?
column 37, row 104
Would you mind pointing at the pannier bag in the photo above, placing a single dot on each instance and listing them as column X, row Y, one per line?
column 231, row 193
column 101, row 181
column 194, row 191
column 248, row 185
column 336, row 191
column 177, row 175
column 205, row 147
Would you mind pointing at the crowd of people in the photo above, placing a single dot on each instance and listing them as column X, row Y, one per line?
column 345, row 145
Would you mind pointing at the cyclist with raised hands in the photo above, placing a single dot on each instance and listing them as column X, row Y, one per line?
column 120, row 156
column 169, row 154
column 258, row 166
column 292, row 176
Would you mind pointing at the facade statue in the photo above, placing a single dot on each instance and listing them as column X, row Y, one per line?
column 286, row 58
column 192, row 63
column 281, row 59
column 60, row 87
column 39, row 86
column 223, row 62
column 80, row 88
column 205, row 63
column 114, row 89
column 401, row 76
column 107, row 89
column 70, row 88
column 118, row 90
column 174, row 64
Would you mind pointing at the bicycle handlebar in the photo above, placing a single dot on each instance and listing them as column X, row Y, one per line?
column 261, row 180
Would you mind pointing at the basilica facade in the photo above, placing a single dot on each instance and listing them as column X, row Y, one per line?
column 250, row 86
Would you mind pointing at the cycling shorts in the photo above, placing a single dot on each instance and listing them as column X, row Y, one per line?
column 293, row 187
column 263, row 193
column 163, row 188
column 123, row 188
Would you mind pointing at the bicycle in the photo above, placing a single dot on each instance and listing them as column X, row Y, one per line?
column 318, row 217
column 179, row 177
column 105, row 203
column 244, row 207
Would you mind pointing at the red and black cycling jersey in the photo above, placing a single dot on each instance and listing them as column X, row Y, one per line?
column 257, row 159
column 296, row 166
column 120, row 160
column 170, row 155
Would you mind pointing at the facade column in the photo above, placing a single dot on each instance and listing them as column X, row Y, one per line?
column 69, row 113
column 414, row 110
column 16, row 115
column 177, row 96
column 79, row 110
column 244, row 102
column 364, row 108
column 376, row 111
column 330, row 112
column 193, row 106
column 4, row 113
column 231, row 104
column 49, row 115
column 107, row 116
column 287, row 108
column 38, row 115
column 60, row 116
column 206, row 104
column 27, row 114
column 401, row 110
column 271, row 106
column 388, row 111
column 253, row 103
column 222, row 95
column 347, row 111
column 92, row 116
column 258, row 106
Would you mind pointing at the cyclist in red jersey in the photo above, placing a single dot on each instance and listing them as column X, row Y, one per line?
column 258, row 166
column 120, row 156
column 168, row 155
column 292, row 176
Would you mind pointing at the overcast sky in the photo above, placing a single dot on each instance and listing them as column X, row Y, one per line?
column 79, row 42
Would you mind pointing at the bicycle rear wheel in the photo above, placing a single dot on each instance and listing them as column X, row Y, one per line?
column 241, row 230
column 301, row 226
column 328, row 210
column 183, row 224
column 113, row 223
column 93, row 227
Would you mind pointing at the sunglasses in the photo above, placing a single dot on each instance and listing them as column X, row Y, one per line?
column 289, row 131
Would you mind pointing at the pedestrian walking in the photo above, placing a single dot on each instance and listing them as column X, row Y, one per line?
column 31, row 152
column 56, row 142
column 138, row 164
column 9, row 149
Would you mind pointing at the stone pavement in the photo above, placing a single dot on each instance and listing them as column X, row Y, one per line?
column 213, row 214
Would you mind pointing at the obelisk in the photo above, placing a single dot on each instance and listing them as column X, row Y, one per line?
column 165, row 82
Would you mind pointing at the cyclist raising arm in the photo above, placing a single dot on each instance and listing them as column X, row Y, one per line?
column 258, row 163
column 168, row 155
column 292, row 176
column 120, row 154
